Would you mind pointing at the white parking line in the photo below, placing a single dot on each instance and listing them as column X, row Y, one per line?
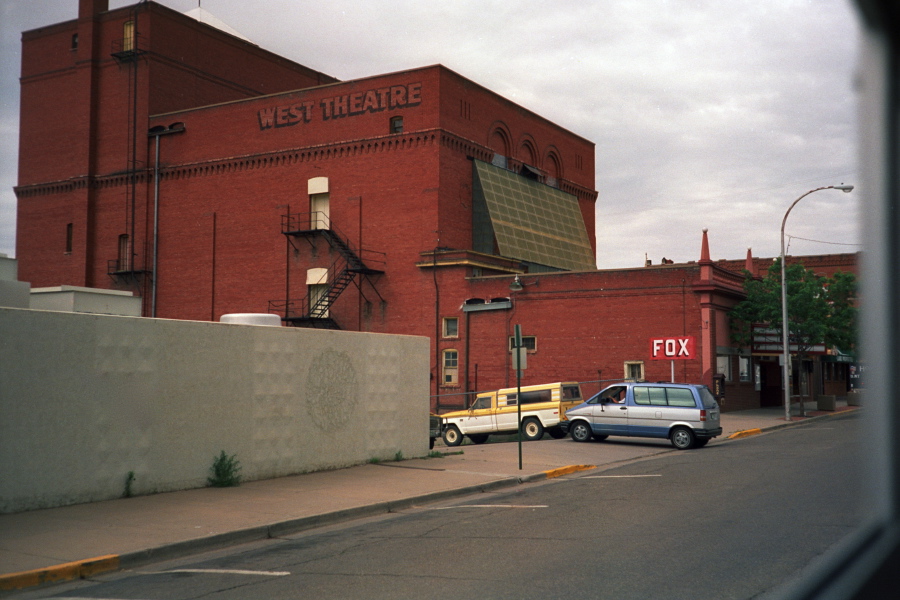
column 491, row 506
column 617, row 476
column 221, row 571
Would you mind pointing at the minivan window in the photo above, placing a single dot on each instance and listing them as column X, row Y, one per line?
column 709, row 401
column 616, row 394
column 655, row 396
column 680, row 397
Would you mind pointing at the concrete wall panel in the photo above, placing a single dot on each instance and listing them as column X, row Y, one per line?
column 86, row 399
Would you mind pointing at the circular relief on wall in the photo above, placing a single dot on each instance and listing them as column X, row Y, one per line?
column 332, row 390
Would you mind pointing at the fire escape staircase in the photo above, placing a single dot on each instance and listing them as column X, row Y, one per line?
column 315, row 311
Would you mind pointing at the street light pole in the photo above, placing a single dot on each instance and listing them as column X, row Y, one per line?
column 785, row 333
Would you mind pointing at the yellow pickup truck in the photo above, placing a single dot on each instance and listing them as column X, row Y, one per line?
column 543, row 407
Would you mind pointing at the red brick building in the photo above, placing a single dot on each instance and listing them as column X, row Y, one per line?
column 166, row 157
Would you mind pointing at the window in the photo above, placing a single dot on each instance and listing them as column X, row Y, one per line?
column 317, row 290
column 74, row 41
column 451, row 327
column 745, row 373
column 318, row 300
column 128, row 36
column 530, row 397
column 679, row 397
column 723, row 366
column 319, row 202
column 124, row 261
column 451, row 367
column 482, row 403
column 571, row 392
column 529, row 342
column 396, row 124
column 649, row 396
column 69, row 238
column 634, row 370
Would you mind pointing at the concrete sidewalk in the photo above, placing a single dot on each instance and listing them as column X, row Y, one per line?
column 77, row 541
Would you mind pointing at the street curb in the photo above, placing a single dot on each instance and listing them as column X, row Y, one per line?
column 746, row 433
column 73, row 570
column 567, row 470
column 750, row 432
column 85, row 568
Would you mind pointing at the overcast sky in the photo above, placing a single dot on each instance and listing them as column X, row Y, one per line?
column 705, row 114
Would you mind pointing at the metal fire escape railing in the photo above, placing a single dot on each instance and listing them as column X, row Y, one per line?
column 314, row 310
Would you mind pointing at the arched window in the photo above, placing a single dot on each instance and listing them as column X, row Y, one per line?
column 527, row 153
column 498, row 141
column 553, row 167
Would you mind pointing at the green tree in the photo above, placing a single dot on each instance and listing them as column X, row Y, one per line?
column 821, row 310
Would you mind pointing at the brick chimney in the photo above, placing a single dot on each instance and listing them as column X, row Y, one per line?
column 90, row 8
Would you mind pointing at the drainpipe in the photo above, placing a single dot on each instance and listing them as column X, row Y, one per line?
column 156, row 132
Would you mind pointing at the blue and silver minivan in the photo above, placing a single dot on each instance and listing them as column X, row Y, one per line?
column 685, row 414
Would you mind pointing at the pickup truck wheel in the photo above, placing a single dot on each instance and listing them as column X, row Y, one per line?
column 682, row 438
column 532, row 429
column 452, row 436
column 479, row 438
column 556, row 433
column 581, row 431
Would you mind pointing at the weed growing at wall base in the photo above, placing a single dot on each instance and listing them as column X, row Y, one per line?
column 225, row 471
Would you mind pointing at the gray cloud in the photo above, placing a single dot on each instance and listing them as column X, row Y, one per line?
column 702, row 116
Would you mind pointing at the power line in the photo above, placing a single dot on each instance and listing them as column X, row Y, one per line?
column 793, row 237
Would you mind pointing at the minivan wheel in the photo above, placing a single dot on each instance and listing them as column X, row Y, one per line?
column 452, row 436
column 581, row 431
column 532, row 430
column 682, row 438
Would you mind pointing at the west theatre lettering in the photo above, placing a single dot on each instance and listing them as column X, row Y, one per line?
column 348, row 105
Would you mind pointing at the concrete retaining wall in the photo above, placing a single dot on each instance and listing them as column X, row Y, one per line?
column 86, row 399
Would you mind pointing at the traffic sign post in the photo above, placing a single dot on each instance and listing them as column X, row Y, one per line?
column 519, row 363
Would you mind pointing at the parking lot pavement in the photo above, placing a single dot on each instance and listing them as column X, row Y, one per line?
column 75, row 541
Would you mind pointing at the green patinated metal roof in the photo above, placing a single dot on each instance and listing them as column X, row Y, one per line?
column 530, row 221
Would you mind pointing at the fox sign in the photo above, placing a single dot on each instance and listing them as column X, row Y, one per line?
column 673, row 348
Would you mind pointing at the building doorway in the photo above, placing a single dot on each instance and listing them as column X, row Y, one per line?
column 770, row 384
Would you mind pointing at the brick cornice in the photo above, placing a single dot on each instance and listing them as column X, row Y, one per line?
column 288, row 157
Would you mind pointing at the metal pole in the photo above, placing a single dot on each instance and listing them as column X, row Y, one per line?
column 155, row 227
column 785, row 333
column 517, row 343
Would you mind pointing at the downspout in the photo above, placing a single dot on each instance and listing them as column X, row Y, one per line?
column 155, row 227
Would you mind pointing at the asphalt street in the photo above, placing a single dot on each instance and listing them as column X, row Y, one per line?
column 732, row 520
